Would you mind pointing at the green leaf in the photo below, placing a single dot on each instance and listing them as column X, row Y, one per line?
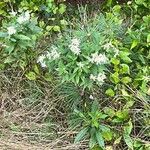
column 56, row 28
column 81, row 135
column 126, row 80
column 100, row 139
column 115, row 61
column 63, row 22
column 22, row 37
column 95, row 106
column 49, row 28
column 2, row 66
column 109, row 111
column 10, row 48
column 115, row 78
column 140, row 2
column 148, row 38
column 41, row 24
column 128, row 128
column 107, row 135
column 124, row 69
column 92, row 141
column 48, row 77
column 77, row 79
column 62, row 8
column 121, row 115
column 3, row 34
column 31, row 75
column 125, row 56
column 36, row 69
column 116, row 9
column 128, row 141
column 134, row 44
column 129, row 104
column 124, row 93
column 110, row 92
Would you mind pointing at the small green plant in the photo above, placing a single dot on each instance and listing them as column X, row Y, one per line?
column 93, row 126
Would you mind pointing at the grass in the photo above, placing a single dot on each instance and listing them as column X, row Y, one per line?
column 32, row 112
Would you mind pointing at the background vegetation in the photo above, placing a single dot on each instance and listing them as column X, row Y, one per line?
column 75, row 75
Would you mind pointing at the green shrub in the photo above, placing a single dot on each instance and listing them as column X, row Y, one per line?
column 82, row 55
column 18, row 38
column 48, row 11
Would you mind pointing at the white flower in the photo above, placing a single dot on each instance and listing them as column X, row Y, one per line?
column 24, row 17
column 13, row 13
column 92, row 77
column 91, row 97
column 11, row 30
column 116, row 52
column 75, row 42
column 20, row 19
column 107, row 46
column 53, row 54
column 74, row 46
column 101, row 59
column 3, row 45
column 75, row 50
column 98, row 59
column 129, row 2
column 101, row 77
column 80, row 64
column 27, row 15
column 42, row 61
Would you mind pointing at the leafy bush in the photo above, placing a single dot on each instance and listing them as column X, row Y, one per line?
column 81, row 55
column 48, row 11
column 18, row 39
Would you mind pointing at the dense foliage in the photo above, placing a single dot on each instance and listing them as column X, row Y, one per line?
column 99, row 61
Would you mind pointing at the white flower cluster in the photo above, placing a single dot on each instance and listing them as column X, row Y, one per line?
column 11, row 30
column 24, row 17
column 109, row 46
column 74, row 46
column 49, row 55
column 13, row 13
column 98, row 58
column 100, row 77
column 53, row 54
column 41, row 60
column 91, row 97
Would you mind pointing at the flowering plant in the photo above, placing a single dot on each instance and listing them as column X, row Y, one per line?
column 18, row 36
column 82, row 55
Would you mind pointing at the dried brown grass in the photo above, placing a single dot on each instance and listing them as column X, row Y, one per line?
column 32, row 115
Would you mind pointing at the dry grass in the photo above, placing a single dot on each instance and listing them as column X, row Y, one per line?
column 32, row 115
column 22, row 144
